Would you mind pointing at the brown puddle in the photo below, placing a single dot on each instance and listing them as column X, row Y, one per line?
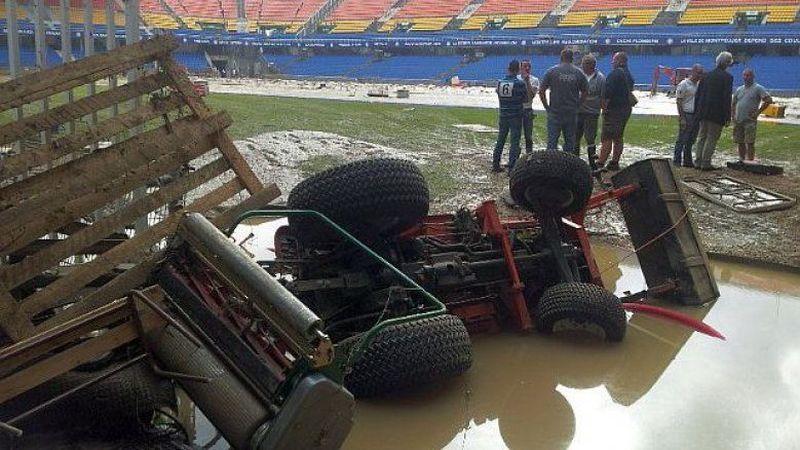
column 662, row 387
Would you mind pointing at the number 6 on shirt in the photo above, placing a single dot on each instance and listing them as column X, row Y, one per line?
column 505, row 88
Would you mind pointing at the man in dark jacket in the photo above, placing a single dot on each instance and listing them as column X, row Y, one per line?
column 712, row 109
column 512, row 93
column 617, row 107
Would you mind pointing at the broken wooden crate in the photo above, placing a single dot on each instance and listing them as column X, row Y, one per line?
column 104, row 161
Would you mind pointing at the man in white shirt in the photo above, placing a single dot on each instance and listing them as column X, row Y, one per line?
column 687, row 131
column 589, row 111
column 532, row 84
column 745, row 111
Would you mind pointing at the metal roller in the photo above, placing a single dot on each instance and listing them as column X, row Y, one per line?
column 298, row 324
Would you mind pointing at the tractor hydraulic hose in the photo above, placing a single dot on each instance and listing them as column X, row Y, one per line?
column 438, row 307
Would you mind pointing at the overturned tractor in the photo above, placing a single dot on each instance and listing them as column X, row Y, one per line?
column 361, row 251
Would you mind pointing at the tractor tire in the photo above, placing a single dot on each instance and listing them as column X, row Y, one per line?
column 583, row 304
column 551, row 183
column 368, row 198
column 408, row 355
column 121, row 404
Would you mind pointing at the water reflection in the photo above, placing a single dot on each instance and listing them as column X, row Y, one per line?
column 662, row 387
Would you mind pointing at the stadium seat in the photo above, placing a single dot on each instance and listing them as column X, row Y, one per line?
column 286, row 15
column 355, row 16
column 425, row 15
column 194, row 61
column 724, row 11
column 584, row 13
column 510, row 13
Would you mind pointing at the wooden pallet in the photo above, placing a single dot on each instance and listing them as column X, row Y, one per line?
column 50, row 197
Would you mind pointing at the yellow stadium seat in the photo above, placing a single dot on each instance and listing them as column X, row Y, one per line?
column 474, row 23
column 529, row 20
column 349, row 26
column 588, row 18
column 160, row 21
column 725, row 15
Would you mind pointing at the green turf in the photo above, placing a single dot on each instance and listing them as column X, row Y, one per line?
column 422, row 128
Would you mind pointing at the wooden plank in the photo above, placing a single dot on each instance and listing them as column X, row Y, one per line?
column 19, row 164
column 13, row 321
column 224, row 142
column 137, row 275
column 43, row 84
column 258, row 200
column 14, row 275
column 136, row 249
column 13, row 356
column 62, row 362
column 85, row 173
column 27, row 223
column 238, row 163
column 67, row 112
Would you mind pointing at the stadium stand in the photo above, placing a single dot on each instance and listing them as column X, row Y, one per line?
column 355, row 16
column 27, row 57
column 586, row 12
column 287, row 16
column 509, row 14
column 411, row 68
column 156, row 16
column 724, row 11
column 424, row 15
column 193, row 61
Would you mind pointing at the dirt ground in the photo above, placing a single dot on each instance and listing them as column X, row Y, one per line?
column 288, row 157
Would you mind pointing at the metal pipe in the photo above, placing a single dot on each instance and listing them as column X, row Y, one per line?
column 66, row 50
column 12, row 38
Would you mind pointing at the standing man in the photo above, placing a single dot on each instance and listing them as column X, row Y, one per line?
column 712, row 108
column 532, row 85
column 568, row 89
column 512, row 93
column 687, row 128
column 589, row 112
column 618, row 102
column 746, row 109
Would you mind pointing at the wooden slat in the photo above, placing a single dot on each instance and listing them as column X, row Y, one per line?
column 62, row 362
column 19, row 164
column 67, row 112
column 14, row 275
column 225, row 144
column 29, row 223
column 15, row 355
column 135, row 276
column 43, row 84
column 13, row 321
column 102, row 245
column 77, row 176
column 135, row 249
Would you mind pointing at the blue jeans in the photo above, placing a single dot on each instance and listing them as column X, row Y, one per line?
column 565, row 123
column 514, row 125
column 527, row 127
column 687, row 134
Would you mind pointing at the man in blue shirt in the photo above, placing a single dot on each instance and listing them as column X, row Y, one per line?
column 512, row 93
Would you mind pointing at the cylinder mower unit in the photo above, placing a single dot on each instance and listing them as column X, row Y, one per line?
column 265, row 359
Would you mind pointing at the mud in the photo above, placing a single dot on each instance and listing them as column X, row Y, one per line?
column 662, row 388
column 288, row 157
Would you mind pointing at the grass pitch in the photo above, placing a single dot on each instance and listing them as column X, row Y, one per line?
column 426, row 128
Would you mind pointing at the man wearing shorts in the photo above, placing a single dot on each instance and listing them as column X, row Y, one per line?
column 617, row 107
column 746, row 109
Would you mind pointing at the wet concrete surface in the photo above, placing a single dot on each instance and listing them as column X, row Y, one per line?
column 663, row 387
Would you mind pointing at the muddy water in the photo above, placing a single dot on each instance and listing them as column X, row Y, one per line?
column 663, row 387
